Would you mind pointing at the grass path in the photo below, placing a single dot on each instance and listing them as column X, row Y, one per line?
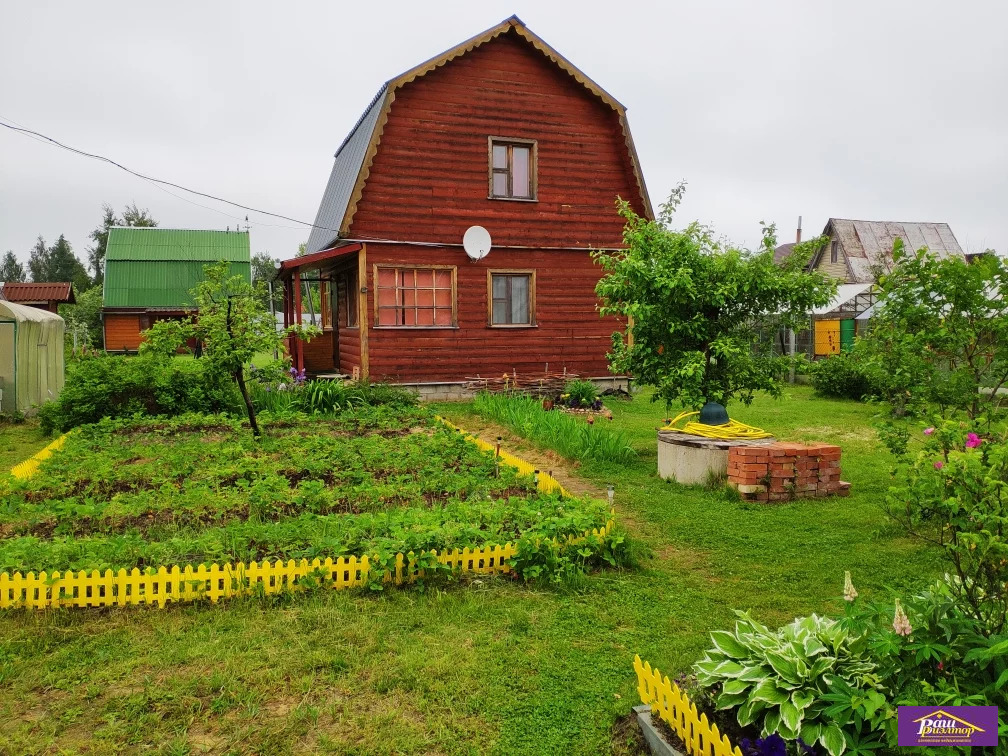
column 18, row 441
column 480, row 667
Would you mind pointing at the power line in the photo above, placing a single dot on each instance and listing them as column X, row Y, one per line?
column 10, row 124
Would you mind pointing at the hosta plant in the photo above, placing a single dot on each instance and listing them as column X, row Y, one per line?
column 776, row 682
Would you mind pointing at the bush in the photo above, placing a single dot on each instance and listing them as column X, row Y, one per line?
column 837, row 683
column 953, row 493
column 117, row 386
column 278, row 389
column 842, row 376
column 942, row 655
column 581, row 393
column 939, row 340
column 779, row 681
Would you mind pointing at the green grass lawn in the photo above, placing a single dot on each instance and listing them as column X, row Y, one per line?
column 18, row 441
column 483, row 666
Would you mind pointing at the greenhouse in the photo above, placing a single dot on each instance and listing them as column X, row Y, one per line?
column 31, row 357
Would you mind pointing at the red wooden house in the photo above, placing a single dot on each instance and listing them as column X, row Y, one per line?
column 500, row 132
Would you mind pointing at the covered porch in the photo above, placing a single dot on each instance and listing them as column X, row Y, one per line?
column 324, row 288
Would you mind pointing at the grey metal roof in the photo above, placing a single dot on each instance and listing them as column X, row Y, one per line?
column 346, row 168
column 867, row 245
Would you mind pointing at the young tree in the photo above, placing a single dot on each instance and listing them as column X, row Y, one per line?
column 230, row 323
column 938, row 344
column 132, row 216
column 11, row 269
column 694, row 307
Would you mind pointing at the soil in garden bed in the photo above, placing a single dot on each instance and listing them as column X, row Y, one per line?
column 626, row 737
column 117, row 496
column 726, row 724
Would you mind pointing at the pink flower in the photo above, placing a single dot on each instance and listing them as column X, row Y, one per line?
column 973, row 440
column 939, row 465
column 928, row 431
column 901, row 623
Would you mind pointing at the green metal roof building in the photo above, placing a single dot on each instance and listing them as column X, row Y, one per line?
column 150, row 272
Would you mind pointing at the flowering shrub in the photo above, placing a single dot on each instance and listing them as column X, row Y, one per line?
column 930, row 650
column 836, row 684
column 954, row 493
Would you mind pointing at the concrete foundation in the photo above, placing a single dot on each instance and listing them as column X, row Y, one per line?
column 693, row 460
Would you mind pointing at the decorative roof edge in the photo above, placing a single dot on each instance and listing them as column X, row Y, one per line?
column 513, row 22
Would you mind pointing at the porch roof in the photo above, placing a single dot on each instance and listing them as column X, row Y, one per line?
column 315, row 260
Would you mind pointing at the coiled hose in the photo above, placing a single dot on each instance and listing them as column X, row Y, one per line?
column 733, row 429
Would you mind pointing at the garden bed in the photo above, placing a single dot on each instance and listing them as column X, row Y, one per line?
column 200, row 489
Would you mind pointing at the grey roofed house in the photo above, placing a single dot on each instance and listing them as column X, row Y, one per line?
column 857, row 250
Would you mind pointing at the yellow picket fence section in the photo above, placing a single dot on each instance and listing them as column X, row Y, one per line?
column 167, row 584
column 547, row 483
column 164, row 585
column 30, row 466
column 701, row 737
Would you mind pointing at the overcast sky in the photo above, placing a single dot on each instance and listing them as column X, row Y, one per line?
column 880, row 111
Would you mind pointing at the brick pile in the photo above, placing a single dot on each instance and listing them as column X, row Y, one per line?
column 783, row 471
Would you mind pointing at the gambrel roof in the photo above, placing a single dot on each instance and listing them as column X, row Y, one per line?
column 354, row 156
column 158, row 267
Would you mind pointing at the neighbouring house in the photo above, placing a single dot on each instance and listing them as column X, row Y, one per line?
column 855, row 254
column 150, row 272
column 45, row 296
column 31, row 356
column 500, row 132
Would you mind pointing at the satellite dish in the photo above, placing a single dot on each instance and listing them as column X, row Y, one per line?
column 476, row 241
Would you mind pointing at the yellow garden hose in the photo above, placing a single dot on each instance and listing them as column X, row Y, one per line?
column 731, row 429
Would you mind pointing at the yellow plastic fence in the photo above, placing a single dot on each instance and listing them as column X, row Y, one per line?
column 547, row 483
column 701, row 737
column 30, row 466
column 167, row 584
column 123, row 588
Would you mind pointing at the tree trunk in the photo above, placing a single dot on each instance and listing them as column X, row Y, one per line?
column 240, row 378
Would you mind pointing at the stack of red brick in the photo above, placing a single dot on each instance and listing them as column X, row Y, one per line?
column 781, row 471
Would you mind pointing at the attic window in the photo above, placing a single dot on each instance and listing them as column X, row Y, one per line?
column 834, row 251
column 512, row 171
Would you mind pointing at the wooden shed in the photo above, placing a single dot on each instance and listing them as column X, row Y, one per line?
column 500, row 132
column 150, row 272
column 45, row 296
